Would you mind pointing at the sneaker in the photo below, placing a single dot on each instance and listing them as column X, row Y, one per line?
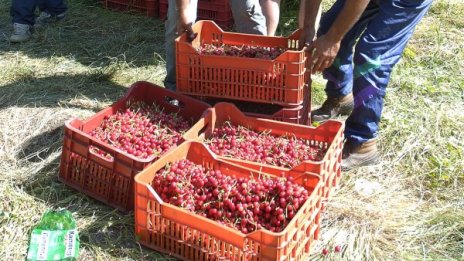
column 21, row 33
column 45, row 18
column 357, row 155
column 332, row 107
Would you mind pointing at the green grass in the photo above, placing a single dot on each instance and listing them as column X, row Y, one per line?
column 84, row 63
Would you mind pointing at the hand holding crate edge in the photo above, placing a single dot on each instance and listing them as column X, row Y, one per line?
column 279, row 81
column 157, row 221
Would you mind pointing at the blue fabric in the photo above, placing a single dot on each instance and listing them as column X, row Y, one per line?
column 367, row 55
column 248, row 18
column 23, row 11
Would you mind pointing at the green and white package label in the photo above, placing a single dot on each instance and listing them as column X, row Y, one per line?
column 53, row 244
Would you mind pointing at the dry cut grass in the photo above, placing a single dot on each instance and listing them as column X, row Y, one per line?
column 409, row 207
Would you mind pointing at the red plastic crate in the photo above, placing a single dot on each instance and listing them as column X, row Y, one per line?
column 290, row 115
column 279, row 81
column 188, row 236
column 146, row 7
column 111, row 180
column 330, row 133
column 163, row 9
column 218, row 11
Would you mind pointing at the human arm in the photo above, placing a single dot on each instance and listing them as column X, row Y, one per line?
column 301, row 13
column 325, row 47
column 183, row 22
column 271, row 11
column 307, row 18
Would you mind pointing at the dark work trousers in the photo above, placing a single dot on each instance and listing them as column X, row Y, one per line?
column 22, row 11
column 367, row 55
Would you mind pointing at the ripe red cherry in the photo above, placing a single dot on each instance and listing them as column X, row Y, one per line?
column 262, row 147
column 222, row 198
column 135, row 130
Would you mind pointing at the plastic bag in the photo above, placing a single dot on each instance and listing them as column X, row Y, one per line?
column 54, row 238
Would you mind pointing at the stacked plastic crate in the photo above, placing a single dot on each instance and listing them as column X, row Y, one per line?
column 217, row 10
column 274, row 89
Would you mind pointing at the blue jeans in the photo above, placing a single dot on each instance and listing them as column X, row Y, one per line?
column 23, row 11
column 247, row 15
column 378, row 40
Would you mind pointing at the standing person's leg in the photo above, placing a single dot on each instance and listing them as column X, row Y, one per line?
column 377, row 52
column 170, row 37
column 248, row 16
column 22, row 12
column 339, row 75
column 51, row 11
column 271, row 10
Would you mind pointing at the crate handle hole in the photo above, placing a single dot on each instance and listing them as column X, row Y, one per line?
column 96, row 152
column 174, row 102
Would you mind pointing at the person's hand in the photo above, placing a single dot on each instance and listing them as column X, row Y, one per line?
column 185, row 26
column 305, row 41
column 324, row 50
column 306, row 38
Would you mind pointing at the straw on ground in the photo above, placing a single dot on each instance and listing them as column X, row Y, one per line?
column 77, row 67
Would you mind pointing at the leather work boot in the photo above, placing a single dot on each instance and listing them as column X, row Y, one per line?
column 358, row 155
column 332, row 107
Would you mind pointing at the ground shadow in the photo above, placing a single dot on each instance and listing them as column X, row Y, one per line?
column 40, row 147
column 64, row 91
column 92, row 36
column 107, row 229
column 67, row 95
column 75, row 92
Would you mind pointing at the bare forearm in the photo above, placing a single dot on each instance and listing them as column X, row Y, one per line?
column 182, row 7
column 325, row 48
column 184, row 22
column 311, row 9
column 301, row 14
column 349, row 15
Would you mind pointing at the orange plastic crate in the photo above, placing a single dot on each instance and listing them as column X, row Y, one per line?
column 290, row 115
column 146, row 7
column 186, row 235
column 330, row 132
column 279, row 81
column 111, row 180
column 293, row 114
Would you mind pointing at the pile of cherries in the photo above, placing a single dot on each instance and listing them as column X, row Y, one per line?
column 288, row 151
column 267, row 53
column 142, row 130
column 246, row 204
